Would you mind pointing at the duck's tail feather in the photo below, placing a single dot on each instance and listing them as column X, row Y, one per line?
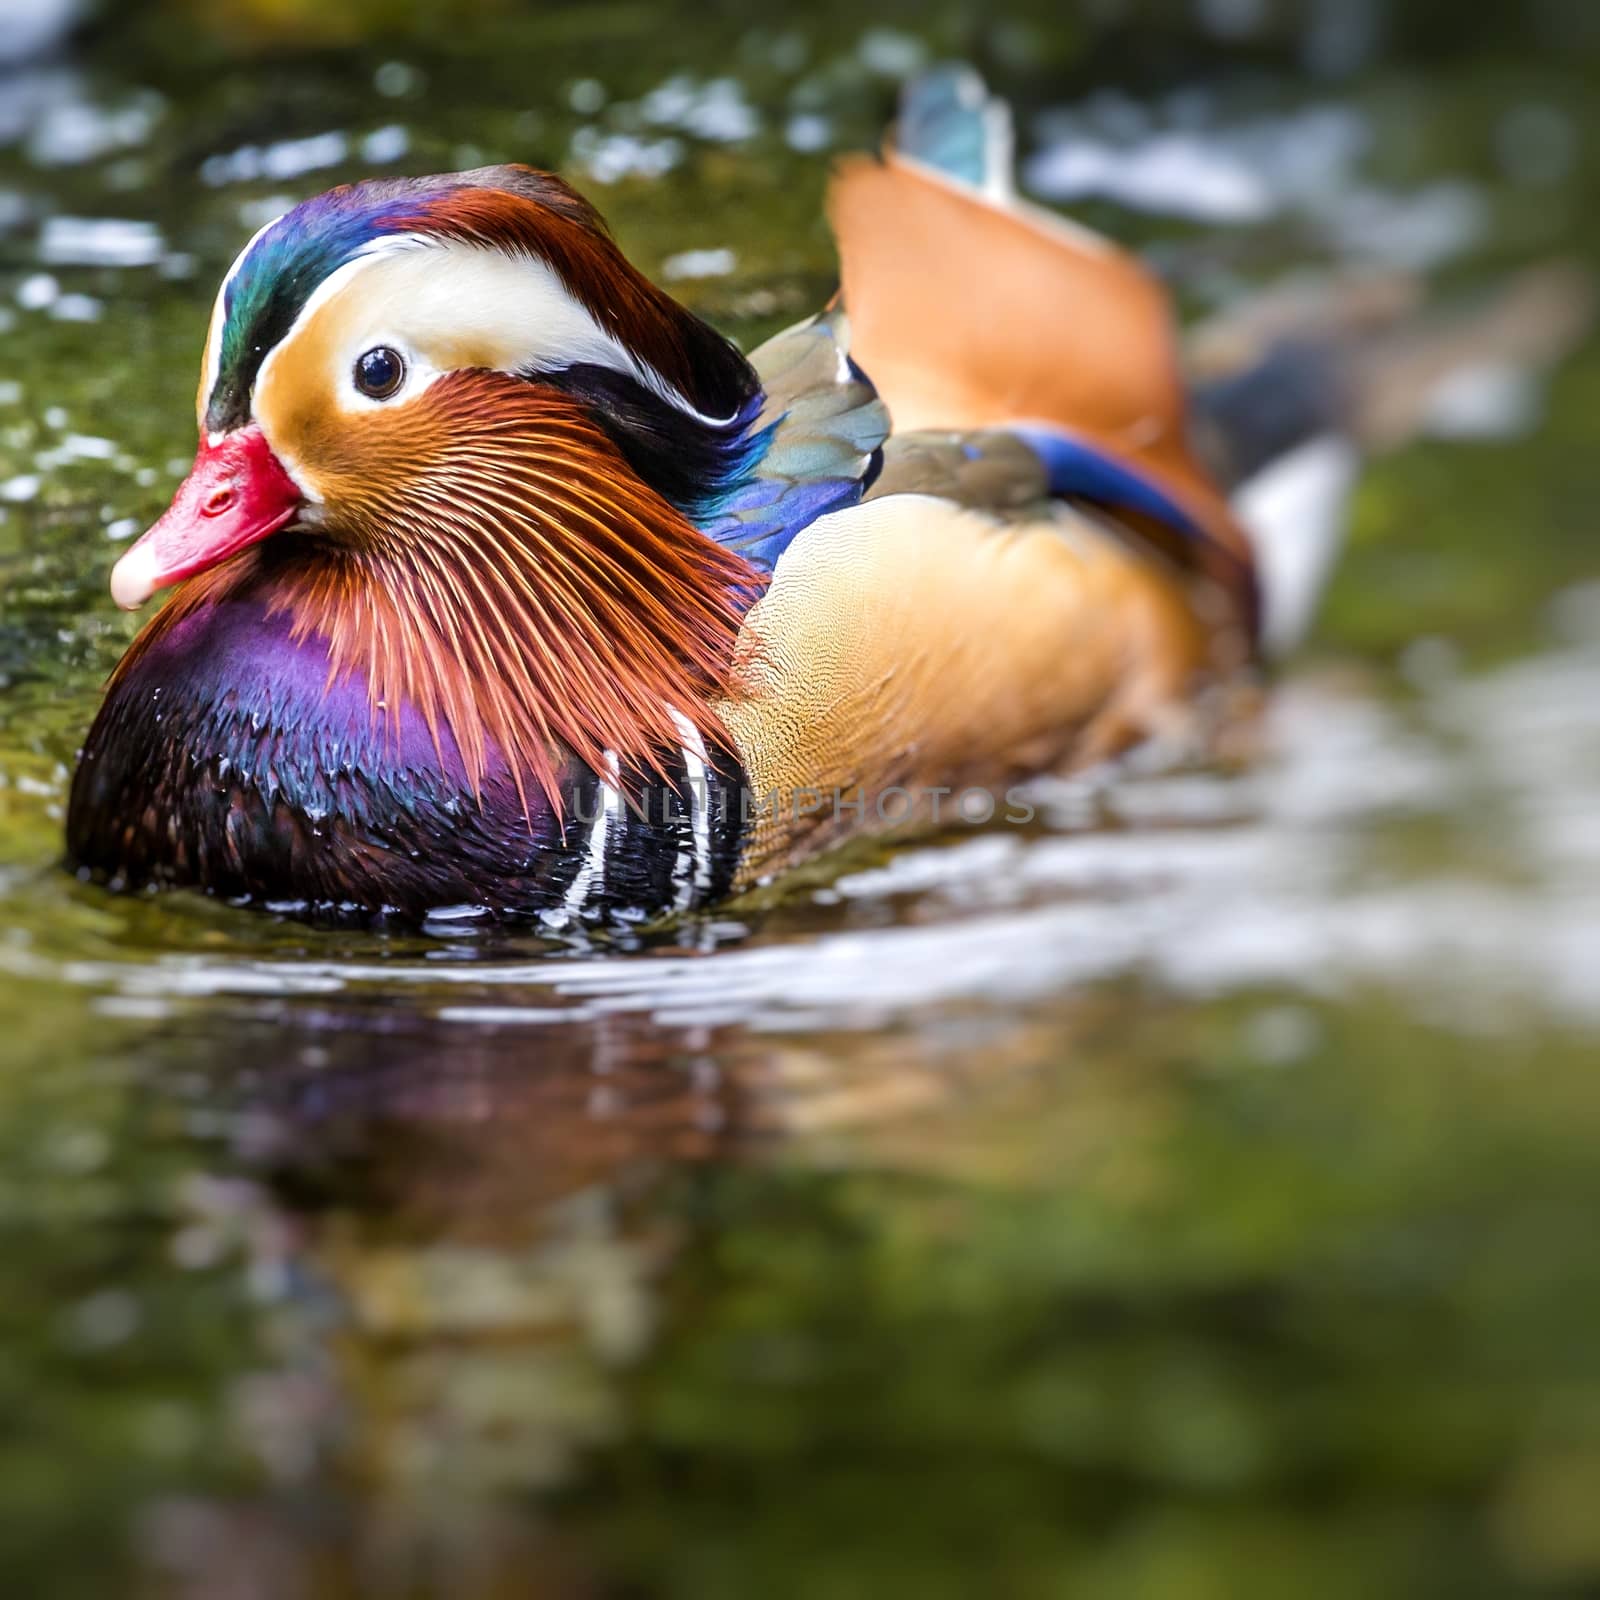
column 972, row 310
column 950, row 122
column 1291, row 391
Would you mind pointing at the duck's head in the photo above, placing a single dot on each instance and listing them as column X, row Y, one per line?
column 466, row 440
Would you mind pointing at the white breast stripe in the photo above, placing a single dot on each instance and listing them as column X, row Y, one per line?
column 695, row 865
column 592, row 874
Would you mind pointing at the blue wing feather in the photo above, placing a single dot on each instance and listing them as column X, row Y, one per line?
column 814, row 447
column 1077, row 470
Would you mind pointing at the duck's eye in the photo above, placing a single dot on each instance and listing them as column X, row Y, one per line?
column 379, row 372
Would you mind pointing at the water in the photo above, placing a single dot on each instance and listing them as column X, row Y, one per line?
column 1186, row 1194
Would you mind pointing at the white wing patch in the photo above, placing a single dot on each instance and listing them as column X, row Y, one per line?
column 1294, row 512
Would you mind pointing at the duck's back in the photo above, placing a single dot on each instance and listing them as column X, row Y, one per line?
column 972, row 310
column 1041, row 571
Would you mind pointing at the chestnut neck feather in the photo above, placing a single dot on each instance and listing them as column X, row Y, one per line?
column 515, row 581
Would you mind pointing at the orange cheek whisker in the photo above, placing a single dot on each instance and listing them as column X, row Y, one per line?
column 501, row 568
column 604, row 567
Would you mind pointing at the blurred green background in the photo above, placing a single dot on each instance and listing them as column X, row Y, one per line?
column 1188, row 1197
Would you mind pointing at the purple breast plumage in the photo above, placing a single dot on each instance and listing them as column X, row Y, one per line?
column 226, row 757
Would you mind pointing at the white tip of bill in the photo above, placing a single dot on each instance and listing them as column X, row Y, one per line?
column 134, row 578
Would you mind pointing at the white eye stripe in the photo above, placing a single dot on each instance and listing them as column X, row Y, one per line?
column 431, row 299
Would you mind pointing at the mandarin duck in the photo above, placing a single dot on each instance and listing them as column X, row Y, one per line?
column 507, row 582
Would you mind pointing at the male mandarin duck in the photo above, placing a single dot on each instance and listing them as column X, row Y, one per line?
column 508, row 582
